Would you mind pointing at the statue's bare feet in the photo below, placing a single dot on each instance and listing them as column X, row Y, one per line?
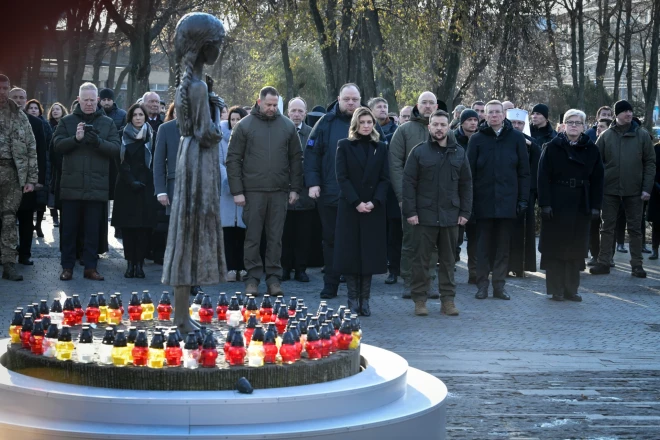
column 187, row 326
column 182, row 319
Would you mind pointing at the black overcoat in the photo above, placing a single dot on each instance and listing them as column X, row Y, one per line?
column 360, row 239
column 653, row 210
column 134, row 209
column 566, row 235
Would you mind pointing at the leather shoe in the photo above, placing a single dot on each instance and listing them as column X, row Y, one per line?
column 92, row 274
column 25, row 261
column 139, row 269
column 600, row 269
column 66, row 275
column 638, row 271
column 482, row 293
column 301, row 277
column 501, row 294
column 391, row 279
column 286, row 275
column 576, row 297
column 557, row 298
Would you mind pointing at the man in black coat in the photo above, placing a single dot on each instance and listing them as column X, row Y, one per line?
column 541, row 128
column 107, row 101
column 437, row 199
column 500, row 174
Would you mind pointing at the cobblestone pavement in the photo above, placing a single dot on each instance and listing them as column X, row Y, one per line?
column 525, row 368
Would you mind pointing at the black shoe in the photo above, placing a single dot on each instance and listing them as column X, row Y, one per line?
column 391, row 279
column 638, row 271
column 329, row 291
column 501, row 294
column 599, row 269
column 301, row 277
column 364, row 308
column 557, row 298
column 472, row 280
column 40, row 233
column 130, row 270
column 25, row 261
column 575, row 298
column 482, row 293
column 434, row 295
column 139, row 273
column 286, row 275
column 592, row 262
column 646, row 250
column 654, row 255
column 621, row 248
column 342, row 279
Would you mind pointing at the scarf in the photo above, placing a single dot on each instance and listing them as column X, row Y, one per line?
column 132, row 135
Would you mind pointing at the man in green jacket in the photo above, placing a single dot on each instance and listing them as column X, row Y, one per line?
column 405, row 138
column 18, row 174
column 264, row 165
column 88, row 141
column 629, row 161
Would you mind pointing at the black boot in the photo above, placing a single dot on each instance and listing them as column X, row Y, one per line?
column 130, row 270
column 353, row 286
column 139, row 273
column 37, row 226
column 654, row 254
column 365, row 294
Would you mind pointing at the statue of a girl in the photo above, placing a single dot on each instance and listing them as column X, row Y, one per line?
column 195, row 249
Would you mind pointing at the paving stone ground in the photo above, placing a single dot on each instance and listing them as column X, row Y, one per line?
column 525, row 368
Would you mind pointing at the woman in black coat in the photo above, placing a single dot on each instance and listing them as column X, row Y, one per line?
column 570, row 189
column 134, row 210
column 363, row 178
column 653, row 211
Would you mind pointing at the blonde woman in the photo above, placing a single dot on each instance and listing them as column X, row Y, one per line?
column 363, row 178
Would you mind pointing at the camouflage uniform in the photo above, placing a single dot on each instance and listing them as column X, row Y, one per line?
column 18, row 166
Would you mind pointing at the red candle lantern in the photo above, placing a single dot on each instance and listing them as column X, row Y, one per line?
column 230, row 336
column 223, row 305
column 135, row 308
column 295, row 331
column 270, row 347
column 173, row 351
column 249, row 328
column 326, row 341
column 266, row 309
column 251, row 309
column 26, row 330
column 37, row 338
column 345, row 336
column 69, row 312
column 141, row 349
column 78, row 309
column 209, row 352
column 288, row 350
column 276, row 309
column 121, row 303
column 92, row 313
column 206, row 311
column 336, row 323
column 43, row 309
column 236, row 352
column 313, row 345
column 293, row 305
column 282, row 320
column 165, row 308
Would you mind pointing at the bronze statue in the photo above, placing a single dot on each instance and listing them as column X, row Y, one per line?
column 195, row 249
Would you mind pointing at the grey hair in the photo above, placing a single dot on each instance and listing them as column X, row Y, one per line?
column 575, row 112
column 88, row 86
column 144, row 97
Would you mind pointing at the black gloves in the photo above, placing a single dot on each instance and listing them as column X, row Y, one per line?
column 546, row 212
column 91, row 138
column 137, row 186
column 521, row 208
column 595, row 214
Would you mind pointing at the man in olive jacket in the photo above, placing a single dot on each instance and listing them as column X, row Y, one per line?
column 264, row 164
column 88, row 141
column 629, row 161
column 437, row 198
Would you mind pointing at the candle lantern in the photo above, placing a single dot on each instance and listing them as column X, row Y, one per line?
column 45, row 321
column 249, row 328
column 241, row 298
column 301, row 303
column 209, row 352
column 206, row 310
column 56, row 314
column 222, row 307
column 326, row 340
column 251, row 308
column 191, row 352
column 43, row 308
column 313, row 345
column 295, row 331
column 328, row 316
column 119, row 352
column 199, row 335
column 165, row 307
column 69, row 312
column 276, row 309
column 147, row 306
column 236, row 352
column 114, row 312
column 288, row 350
column 141, row 349
column 173, row 351
column 356, row 331
column 266, row 309
column 299, row 315
column 107, row 345
column 234, row 316
column 121, row 303
column 34, row 309
column 341, row 312
column 230, row 336
column 345, row 336
column 37, row 338
column 336, row 323
column 26, row 330
column 92, row 313
column 156, row 351
column 282, row 320
column 50, row 341
column 131, row 336
column 309, row 319
column 315, row 323
column 134, row 308
column 196, row 305
column 64, row 347
column 293, row 305
column 85, row 348
column 15, row 327
column 270, row 347
column 103, row 308
column 255, row 351
column 78, row 309
column 323, row 308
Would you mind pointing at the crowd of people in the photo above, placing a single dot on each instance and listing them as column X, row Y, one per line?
column 385, row 193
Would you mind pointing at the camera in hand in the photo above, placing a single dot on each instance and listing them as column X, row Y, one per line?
column 89, row 127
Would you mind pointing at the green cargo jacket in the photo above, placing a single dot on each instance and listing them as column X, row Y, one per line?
column 23, row 145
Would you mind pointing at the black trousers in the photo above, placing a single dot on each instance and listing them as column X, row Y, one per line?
column 296, row 240
column 562, row 277
column 394, row 243
column 594, row 238
column 234, row 242
column 471, row 232
column 70, row 223
column 493, row 243
column 655, row 235
column 328, row 215
column 25, row 231
column 136, row 243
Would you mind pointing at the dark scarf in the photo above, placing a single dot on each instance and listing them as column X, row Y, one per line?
column 132, row 135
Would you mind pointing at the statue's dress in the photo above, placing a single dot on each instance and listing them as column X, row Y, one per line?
column 195, row 248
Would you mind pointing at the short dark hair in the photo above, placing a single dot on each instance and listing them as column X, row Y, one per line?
column 608, row 121
column 477, row 103
column 373, row 101
column 235, row 109
column 605, row 107
column 34, row 101
column 4, row 78
column 131, row 110
column 347, row 85
column 268, row 90
column 439, row 113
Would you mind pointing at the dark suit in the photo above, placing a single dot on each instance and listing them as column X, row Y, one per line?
column 164, row 169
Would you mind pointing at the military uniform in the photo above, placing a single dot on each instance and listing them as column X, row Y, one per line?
column 18, row 167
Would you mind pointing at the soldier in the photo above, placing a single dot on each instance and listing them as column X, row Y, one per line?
column 18, row 173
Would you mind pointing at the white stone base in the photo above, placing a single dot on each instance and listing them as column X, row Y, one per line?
column 388, row 400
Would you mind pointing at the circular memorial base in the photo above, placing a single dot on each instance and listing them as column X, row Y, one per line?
column 387, row 400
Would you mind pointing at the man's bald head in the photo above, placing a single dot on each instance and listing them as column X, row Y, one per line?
column 19, row 96
column 427, row 103
column 404, row 114
column 508, row 105
column 297, row 110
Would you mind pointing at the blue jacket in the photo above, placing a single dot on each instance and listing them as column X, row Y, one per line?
column 230, row 213
column 118, row 116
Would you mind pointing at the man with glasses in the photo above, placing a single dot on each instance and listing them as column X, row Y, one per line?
column 501, row 180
